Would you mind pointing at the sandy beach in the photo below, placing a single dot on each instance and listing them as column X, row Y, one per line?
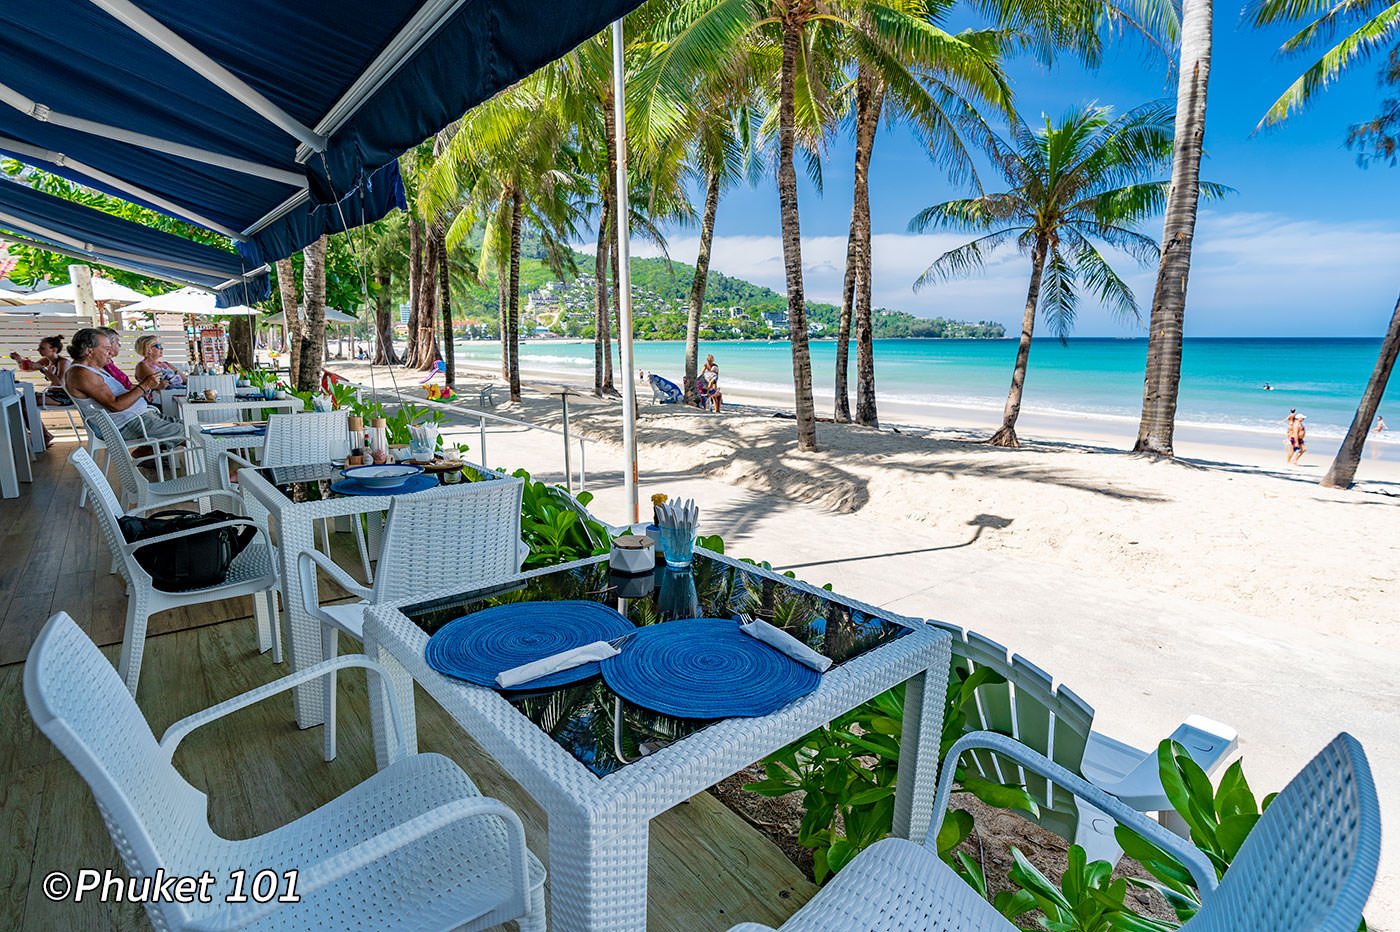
column 1224, row 584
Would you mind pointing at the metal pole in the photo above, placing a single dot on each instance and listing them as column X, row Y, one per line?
column 582, row 468
column 568, row 467
column 481, row 422
column 624, row 274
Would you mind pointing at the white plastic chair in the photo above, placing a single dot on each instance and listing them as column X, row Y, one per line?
column 468, row 534
column 253, row 572
column 1053, row 721
column 416, row 846
column 137, row 491
column 1307, row 866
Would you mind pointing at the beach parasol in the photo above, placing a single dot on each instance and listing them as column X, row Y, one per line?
column 104, row 291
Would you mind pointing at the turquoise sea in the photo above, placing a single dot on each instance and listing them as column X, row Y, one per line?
column 1222, row 385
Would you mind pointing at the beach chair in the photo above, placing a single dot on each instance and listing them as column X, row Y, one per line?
column 1308, row 864
column 1054, row 722
column 664, row 391
column 415, row 846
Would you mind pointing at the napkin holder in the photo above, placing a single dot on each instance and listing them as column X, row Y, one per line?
column 632, row 555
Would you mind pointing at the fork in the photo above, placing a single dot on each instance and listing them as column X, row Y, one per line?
column 616, row 643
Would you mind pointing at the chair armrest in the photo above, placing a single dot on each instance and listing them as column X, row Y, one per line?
column 1207, row 742
column 1197, row 863
column 307, row 562
column 177, row 732
column 356, row 857
column 176, row 535
column 231, row 497
column 752, row 927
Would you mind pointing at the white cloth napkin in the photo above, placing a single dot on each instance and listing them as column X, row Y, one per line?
column 781, row 640
column 564, row 660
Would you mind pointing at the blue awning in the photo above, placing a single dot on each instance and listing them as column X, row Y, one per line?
column 262, row 119
column 72, row 229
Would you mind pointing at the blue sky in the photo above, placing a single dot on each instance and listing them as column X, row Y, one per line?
column 1310, row 244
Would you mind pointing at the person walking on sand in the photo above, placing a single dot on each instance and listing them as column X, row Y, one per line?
column 1291, row 435
column 1297, row 439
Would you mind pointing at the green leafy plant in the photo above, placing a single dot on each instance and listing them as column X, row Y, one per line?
column 343, row 395
column 557, row 526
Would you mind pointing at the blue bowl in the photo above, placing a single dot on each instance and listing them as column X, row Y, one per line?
column 386, row 476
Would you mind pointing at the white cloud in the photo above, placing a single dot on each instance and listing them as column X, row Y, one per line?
column 1252, row 274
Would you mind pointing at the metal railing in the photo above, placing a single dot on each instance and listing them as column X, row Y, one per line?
column 482, row 417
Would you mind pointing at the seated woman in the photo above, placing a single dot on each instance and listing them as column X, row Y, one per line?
column 53, row 367
column 709, row 381
column 153, row 361
column 88, row 383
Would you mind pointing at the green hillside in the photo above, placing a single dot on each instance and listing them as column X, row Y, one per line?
column 734, row 308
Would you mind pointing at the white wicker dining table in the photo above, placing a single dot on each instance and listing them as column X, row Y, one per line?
column 598, row 822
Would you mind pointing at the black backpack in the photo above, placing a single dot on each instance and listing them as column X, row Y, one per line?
column 192, row 562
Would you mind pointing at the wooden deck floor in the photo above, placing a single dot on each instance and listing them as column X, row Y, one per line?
column 709, row 868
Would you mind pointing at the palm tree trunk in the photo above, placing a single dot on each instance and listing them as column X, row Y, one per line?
column 240, row 344
column 1006, row 434
column 610, row 134
column 1343, row 469
column 792, row 233
column 287, row 291
column 697, row 289
column 616, row 312
column 600, row 305
column 841, row 412
column 428, row 353
column 313, row 320
column 415, row 288
column 444, row 283
column 1163, row 376
column 867, row 122
column 516, row 216
column 384, row 354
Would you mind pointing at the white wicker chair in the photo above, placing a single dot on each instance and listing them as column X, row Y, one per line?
column 95, row 444
column 1307, row 866
column 225, row 385
column 253, row 572
column 140, row 493
column 1051, row 720
column 466, row 533
column 416, row 846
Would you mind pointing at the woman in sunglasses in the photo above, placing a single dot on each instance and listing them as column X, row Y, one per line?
column 153, row 362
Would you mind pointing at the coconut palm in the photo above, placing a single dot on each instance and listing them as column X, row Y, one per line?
column 313, row 318
column 1367, row 26
column 1071, row 183
column 907, row 69
column 1163, row 376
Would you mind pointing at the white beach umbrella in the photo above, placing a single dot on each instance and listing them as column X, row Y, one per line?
column 184, row 301
column 103, row 290
column 12, row 294
column 332, row 317
column 45, row 309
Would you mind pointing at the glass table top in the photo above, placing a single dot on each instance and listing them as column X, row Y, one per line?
column 605, row 732
column 312, row 483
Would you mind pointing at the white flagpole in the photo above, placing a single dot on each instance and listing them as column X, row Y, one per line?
column 624, row 277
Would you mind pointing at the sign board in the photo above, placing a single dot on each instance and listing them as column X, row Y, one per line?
column 213, row 346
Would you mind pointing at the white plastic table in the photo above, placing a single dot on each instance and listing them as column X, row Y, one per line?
column 598, row 824
column 14, row 457
column 29, row 394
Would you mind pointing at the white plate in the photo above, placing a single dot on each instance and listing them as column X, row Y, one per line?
column 385, row 476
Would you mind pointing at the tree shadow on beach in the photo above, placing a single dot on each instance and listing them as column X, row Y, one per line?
column 980, row 522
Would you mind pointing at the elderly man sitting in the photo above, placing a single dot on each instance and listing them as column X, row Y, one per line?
column 88, row 382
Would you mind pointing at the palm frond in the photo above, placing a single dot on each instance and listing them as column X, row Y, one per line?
column 967, row 258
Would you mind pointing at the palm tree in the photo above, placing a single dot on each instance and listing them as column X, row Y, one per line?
column 1163, row 375
column 287, row 292
column 906, row 69
column 1372, row 26
column 313, row 319
column 1070, row 183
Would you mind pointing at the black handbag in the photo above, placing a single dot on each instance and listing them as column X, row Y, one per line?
column 191, row 562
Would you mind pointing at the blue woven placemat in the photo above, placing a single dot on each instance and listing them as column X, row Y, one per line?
column 478, row 646
column 705, row 668
column 411, row 484
column 237, row 430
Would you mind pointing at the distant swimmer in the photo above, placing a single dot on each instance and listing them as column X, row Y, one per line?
column 1380, row 424
column 1268, row 387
